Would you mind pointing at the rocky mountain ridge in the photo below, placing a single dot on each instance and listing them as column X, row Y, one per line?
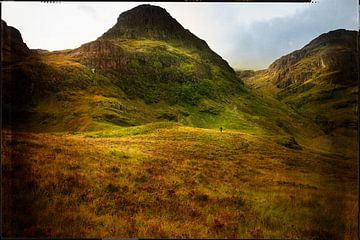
column 330, row 52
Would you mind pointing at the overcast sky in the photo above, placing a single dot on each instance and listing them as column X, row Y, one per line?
column 247, row 35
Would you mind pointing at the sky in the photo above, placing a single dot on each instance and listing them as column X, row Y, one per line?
column 247, row 35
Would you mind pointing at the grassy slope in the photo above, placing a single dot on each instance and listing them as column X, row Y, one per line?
column 170, row 180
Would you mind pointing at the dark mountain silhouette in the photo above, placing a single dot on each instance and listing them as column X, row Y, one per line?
column 12, row 46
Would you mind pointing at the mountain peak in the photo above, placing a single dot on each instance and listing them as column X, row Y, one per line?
column 339, row 36
column 152, row 22
column 145, row 21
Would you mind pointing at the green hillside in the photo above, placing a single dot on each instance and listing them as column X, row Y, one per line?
column 133, row 76
column 320, row 82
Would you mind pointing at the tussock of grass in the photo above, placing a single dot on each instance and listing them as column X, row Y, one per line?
column 119, row 154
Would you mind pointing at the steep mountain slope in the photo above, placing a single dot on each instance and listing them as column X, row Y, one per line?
column 333, row 53
column 13, row 52
column 12, row 46
column 153, row 57
column 320, row 82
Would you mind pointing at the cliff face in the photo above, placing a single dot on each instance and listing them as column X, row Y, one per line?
column 152, row 22
column 334, row 51
column 12, row 45
column 15, row 84
column 101, row 54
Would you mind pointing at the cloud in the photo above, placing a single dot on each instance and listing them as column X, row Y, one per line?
column 221, row 25
column 88, row 10
column 261, row 42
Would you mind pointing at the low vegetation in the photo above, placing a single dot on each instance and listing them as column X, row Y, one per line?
column 170, row 180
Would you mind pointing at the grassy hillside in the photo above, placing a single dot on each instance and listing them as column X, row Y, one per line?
column 61, row 93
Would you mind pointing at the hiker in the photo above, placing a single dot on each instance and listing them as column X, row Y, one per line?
column 221, row 129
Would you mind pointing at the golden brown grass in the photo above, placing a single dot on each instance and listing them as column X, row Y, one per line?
column 174, row 181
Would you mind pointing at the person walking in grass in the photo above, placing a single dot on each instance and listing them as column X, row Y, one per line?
column 221, row 129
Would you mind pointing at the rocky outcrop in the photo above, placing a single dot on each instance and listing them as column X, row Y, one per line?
column 101, row 54
column 13, row 47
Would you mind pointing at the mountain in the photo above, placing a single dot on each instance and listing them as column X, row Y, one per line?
column 128, row 63
column 153, row 56
column 140, row 71
column 13, row 48
column 13, row 52
column 320, row 82
column 333, row 52
column 152, row 22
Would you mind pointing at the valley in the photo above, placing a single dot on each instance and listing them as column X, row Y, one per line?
column 120, row 137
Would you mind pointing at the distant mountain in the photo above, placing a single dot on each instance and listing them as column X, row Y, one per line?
column 333, row 52
column 320, row 82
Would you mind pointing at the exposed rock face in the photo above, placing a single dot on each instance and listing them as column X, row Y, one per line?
column 330, row 52
column 102, row 54
column 12, row 47
column 152, row 22
column 320, row 81
column 15, row 82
